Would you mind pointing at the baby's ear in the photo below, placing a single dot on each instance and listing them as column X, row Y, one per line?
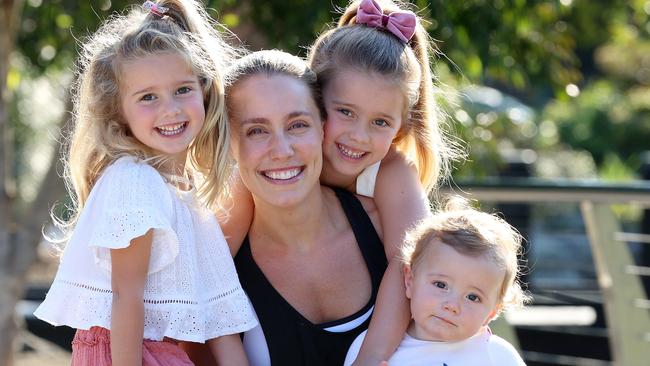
column 495, row 312
column 408, row 280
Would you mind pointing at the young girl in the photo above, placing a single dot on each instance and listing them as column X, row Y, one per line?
column 382, row 139
column 146, row 264
column 460, row 269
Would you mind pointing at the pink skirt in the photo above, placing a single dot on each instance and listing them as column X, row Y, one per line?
column 93, row 347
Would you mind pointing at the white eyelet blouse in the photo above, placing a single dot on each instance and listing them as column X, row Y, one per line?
column 192, row 291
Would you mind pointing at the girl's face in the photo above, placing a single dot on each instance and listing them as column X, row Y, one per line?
column 364, row 113
column 162, row 103
column 452, row 295
column 277, row 138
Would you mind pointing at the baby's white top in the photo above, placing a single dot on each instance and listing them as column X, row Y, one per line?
column 192, row 291
column 367, row 179
column 481, row 349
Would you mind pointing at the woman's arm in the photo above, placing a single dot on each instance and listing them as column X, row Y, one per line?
column 402, row 203
column 238, row 215
column 128, row 278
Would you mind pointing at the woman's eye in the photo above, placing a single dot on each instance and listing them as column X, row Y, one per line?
column 184, row 90
column 254, row 131
column 473, row 298
column 440, row 284
column 380, row 123
column 148, row 97
column 298, row 124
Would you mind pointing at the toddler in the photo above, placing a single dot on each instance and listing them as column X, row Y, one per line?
column 460, row 270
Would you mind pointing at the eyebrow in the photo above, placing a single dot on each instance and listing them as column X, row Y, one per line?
column 381, row 114
column 148, row 89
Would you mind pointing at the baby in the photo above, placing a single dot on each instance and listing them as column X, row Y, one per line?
column 460, row 271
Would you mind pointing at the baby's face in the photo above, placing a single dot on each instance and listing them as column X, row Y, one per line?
column 452, row 295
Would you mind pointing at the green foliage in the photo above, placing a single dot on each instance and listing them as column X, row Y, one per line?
column 50, row 29
column 582, row 65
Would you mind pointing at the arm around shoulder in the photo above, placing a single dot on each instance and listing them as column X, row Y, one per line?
column 401, row 203
column 237, row 214
column 400, row 199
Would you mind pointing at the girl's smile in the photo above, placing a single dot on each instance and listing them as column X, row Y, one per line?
column 364, row 114
column 162, row 103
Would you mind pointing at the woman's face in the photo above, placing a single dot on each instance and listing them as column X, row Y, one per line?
column 277, row 138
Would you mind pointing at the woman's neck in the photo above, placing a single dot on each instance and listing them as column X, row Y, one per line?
column 296, row 226
column 330, row 177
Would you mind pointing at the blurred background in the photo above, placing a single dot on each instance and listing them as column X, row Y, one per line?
column 551, row 99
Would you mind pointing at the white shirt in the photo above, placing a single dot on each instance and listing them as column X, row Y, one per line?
column 366, row 180
column 192, row 291
column 482, row 349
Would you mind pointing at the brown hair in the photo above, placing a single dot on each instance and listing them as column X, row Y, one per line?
column 473, row 233
column 272, row 62
column 374, row 50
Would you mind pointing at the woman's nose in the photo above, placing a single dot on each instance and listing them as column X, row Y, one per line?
column 282, row 148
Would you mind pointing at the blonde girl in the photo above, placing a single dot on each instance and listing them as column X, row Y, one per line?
column 383, row 135
column 146, row 264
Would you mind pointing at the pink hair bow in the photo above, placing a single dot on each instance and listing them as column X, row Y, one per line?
column 155, row 8
column 401, row 23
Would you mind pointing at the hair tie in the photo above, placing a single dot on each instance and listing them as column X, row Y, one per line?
column 154, row 8
column 401, row 23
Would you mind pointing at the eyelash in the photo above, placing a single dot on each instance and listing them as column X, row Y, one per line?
column 259, row 130
column 344, row 111
column 347, row 113
column 437, row 283
column 441, row 285
column 298, row 124
column 182, row 90
column 186, row 88
column 146, row 98
column 384, row 123
column 254, row 131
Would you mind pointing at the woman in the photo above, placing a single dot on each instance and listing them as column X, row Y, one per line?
column 312, row 261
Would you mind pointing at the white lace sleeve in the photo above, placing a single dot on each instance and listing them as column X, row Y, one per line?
column 129, row 199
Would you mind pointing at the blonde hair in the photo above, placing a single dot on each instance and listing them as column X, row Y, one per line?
column 374, row 50
column 473, row 233
column 100, row 135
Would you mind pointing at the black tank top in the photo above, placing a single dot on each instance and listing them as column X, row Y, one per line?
column 291, row 338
